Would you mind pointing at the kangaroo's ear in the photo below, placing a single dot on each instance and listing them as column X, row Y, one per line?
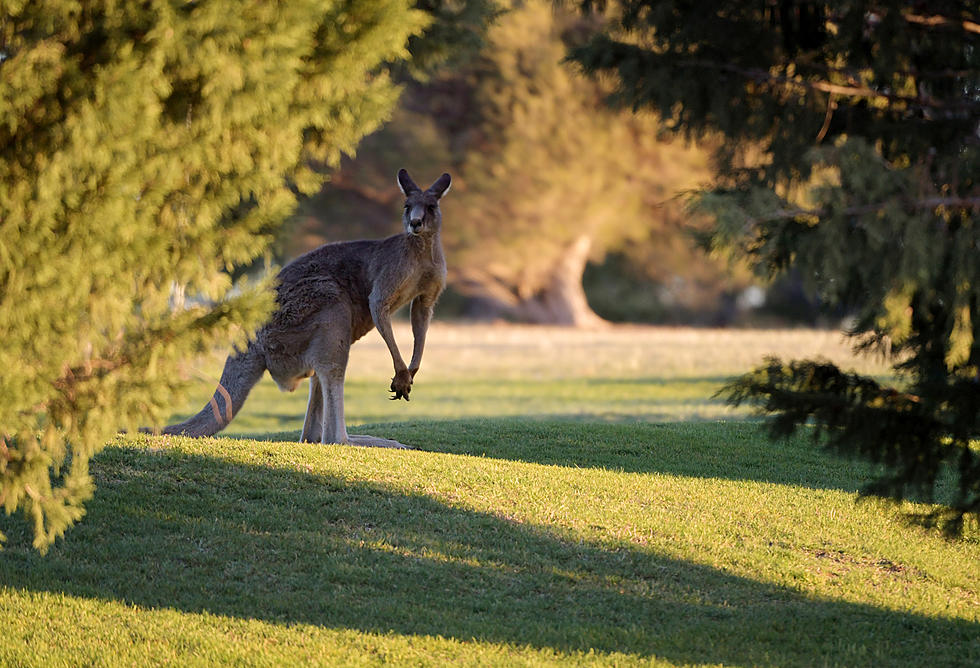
column 441, row 186
column 406, row 183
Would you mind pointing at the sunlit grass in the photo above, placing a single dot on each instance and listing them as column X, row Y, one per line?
column 621, row 373
column 573, row 515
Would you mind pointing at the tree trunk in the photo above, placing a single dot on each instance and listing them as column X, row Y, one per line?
column 561, row 301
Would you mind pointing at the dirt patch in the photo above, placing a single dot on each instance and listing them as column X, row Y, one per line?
column 844, row 562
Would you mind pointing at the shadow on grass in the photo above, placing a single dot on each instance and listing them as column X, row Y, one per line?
column 738, row 450
column 171, row 530
column 729, row 450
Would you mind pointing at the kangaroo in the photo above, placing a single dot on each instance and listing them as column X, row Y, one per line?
column 326, row 300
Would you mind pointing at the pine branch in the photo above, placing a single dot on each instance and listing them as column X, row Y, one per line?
column 943, row 21
column 616, row 53
column 917, row 205
column 915, row 437
column 765, row 77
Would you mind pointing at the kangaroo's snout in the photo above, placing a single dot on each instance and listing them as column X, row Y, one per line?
column 415, row 213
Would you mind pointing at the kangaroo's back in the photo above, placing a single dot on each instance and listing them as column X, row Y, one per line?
column 334, row 272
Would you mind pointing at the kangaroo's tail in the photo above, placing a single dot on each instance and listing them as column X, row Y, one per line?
column 241, row 372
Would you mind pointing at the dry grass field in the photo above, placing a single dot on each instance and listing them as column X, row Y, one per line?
column 619, row 373
column 619, row 351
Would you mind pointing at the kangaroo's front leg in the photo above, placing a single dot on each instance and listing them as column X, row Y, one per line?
column 421, row 316
column 401, row 384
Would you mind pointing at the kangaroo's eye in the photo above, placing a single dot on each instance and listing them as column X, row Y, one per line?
column 430, row 209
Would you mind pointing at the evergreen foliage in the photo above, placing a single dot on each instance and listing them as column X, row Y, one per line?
column 455, row 33
column 852, row 155
column 147, row 149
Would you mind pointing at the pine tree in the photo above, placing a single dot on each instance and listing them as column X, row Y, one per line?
column 456, row 31
column 146, row 150
column 851, row 155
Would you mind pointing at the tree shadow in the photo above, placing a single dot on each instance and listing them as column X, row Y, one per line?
column 730, row 450
column 737, row 450
column 277, row 545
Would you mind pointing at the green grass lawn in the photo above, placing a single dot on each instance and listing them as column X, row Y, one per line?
column 581, row 502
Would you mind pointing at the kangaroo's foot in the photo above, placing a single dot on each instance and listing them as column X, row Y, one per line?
column 375, row 442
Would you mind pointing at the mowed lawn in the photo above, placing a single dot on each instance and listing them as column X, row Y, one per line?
column 575, row 498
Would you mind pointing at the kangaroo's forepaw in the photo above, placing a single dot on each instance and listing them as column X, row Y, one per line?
column 401, row 385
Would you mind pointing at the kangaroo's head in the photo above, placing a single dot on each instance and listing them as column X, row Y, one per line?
column 422, row 215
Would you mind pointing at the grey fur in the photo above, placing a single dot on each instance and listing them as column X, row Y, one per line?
column 329, row 298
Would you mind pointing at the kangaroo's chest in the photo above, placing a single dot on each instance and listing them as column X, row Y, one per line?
column 428, row 281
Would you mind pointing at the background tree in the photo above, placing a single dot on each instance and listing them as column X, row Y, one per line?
column 852, row 156
column 146, row 149
column 456, row 31
column 553, row 175
column 546, row 175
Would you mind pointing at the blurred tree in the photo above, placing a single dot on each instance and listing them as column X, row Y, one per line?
column 553, row 176
column 362, row 198
column 852, row 153
column 455, row 33
column 548, row 175
column 146, row 149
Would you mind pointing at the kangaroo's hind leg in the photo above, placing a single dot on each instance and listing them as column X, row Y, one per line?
column 330, row 355
column 329, row 380
column 313, row 426
column 327, row 355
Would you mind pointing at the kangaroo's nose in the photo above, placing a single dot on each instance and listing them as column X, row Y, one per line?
column 416, row 223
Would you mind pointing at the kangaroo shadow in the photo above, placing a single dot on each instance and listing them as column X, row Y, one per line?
column 302, row 548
